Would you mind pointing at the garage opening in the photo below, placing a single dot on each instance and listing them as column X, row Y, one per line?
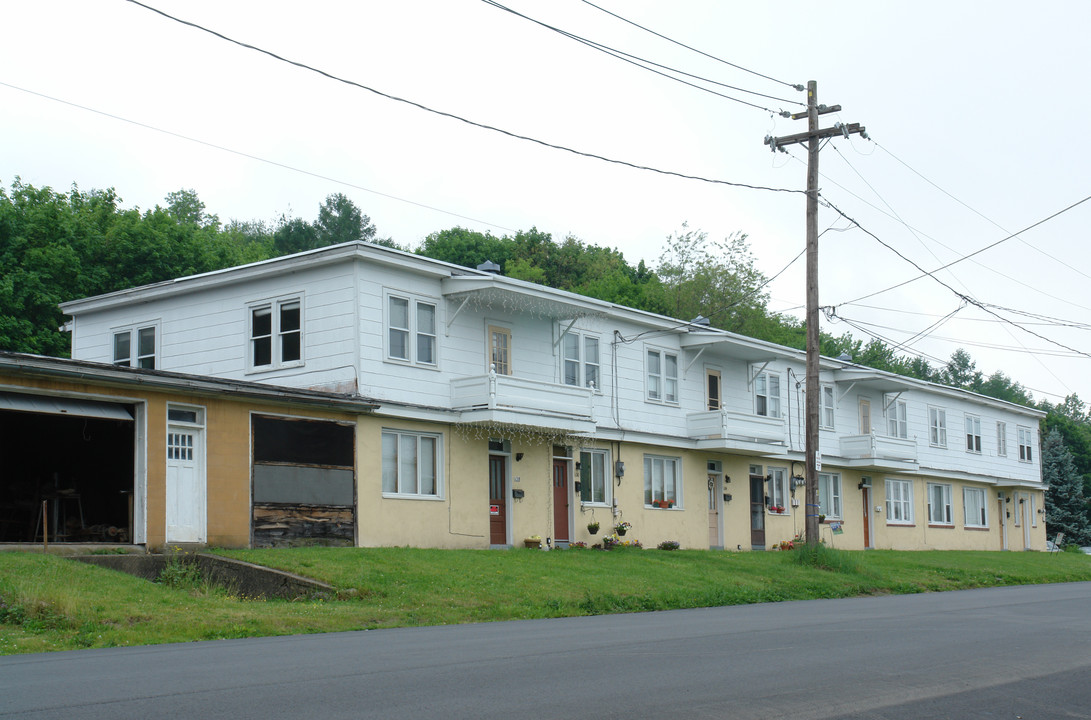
column 76, row 456
column 304, row 483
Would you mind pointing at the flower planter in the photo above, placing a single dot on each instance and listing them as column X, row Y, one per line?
column 621, row 531
column 533, row 543
column 592, row 530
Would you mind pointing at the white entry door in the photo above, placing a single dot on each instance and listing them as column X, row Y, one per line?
column 185, row 476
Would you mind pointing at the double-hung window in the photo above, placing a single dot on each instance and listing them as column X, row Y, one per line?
column 973, row 434
column 939, row 504
column 1026, row 437
column 897, row 424
column 276, row 334
column 899, row 502
column 135, row 347
column 973, row 504
column 662, row 376
column 827, row 407
column 580, row 360
column 937, row 427
column 1001, row 439
column 412, row 464
column 411, row 330
column 778, row 490
column 662, row 479
column 594, row 484
column 829, row 495
column 767, row 395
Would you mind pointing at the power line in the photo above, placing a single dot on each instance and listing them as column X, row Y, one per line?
column 794, row 86
column 637, row 61
column 1054, row 323
column 258, row 158
column 978, row 213
column 452, row 116
column 967, row 298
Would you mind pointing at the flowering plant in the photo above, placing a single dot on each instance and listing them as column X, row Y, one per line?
column 622, row 527
column 777, row 508
column 669, row 545
column 576, row 545
column 593, row 527
column 786, row 545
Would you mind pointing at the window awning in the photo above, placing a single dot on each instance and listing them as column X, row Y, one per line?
column 21, row 402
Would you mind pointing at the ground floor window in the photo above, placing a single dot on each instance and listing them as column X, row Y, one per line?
column 662, row 479
column 829, row 495
column 778, row 490
column 411, row 464
column 899, row 501
column 973, row 503
column 939, row 504
column 594, row 487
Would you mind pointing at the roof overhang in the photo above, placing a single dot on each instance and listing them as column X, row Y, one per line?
column 22, row 402
column 492, row 292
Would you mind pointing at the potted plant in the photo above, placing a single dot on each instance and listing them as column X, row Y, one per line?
column 622, row 527
column 593, row 527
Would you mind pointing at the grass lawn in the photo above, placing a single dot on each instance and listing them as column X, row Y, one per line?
column 50, row 603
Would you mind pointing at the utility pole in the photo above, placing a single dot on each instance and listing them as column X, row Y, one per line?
column 813, row 137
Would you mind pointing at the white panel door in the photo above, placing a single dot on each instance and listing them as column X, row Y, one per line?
column 185, row 484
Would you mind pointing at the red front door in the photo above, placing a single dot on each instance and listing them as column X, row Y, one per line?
column 560, row 501
column 498, row 508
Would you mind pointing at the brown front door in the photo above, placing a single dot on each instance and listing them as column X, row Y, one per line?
column 867, row 517
column 560, row 501
column 498, row 507
column 757, row 511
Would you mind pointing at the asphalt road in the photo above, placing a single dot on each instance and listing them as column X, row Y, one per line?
column 1021, row 652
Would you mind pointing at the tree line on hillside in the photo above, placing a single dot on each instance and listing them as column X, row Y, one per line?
column 58, row 246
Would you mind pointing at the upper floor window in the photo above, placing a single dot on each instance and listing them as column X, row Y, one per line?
column 1001, row 439
column 276, row 333
column 713, row 383
column 500, row 350
column 662, row 479
column 827, row 406
column 595, row 485
column 973, row 504
column 135, row 352
column 897, row 424
column 580, row 360
column 778, row 490
column 662, row 374
column 937, row 427
column 1026, row 437
column 767, row 395
column 939, row 504
column 411, row 330
column 411, row 463
column 829, row 495
column 973, row 433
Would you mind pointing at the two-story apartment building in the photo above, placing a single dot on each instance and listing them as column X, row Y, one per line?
column 499, row 409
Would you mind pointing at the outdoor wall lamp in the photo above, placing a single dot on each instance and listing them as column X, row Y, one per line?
column 518, row 457
column 727, row 497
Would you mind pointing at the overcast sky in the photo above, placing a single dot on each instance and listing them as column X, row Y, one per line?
column 972, row 108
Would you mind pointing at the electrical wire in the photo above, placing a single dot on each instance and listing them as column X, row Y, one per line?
column 794, row 86
column 249, row 156
column 644, row 63
column 966, row 298
column 452, row 116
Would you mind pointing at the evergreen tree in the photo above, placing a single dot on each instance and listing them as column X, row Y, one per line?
column 1065, row 504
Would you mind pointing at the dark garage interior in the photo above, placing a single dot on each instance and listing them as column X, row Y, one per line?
column 80, row 465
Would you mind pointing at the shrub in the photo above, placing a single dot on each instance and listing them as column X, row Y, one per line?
column 669, row 545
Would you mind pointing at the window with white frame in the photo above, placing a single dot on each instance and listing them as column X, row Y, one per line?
column 662, row 376
column 1032, row 499
column 276, row 333
column 767, row 395
column 412, row 464
column 1001, row 439
column 939, row 504
column 937, row 427
column 973, row 434
column 778, row 490
column 899, row 502
column 580, row 360
column 135, row 347
column 829, row 495
column 411, row 330
column 973, row 505
column 662, row 479
column 827, row 413
column 1026, row 437
column 595, row 484
column 897, row 424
